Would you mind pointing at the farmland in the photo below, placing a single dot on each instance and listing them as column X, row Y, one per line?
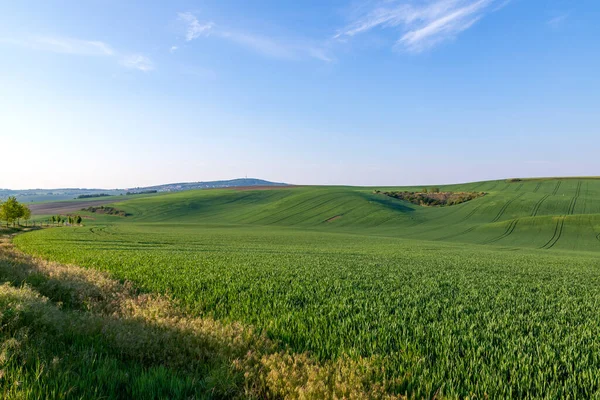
column 495, row 296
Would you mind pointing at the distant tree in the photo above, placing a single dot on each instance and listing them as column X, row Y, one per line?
column 424, row 190
column 26, row 213
column 78, row 220
column 435, row 190
column 53, row 219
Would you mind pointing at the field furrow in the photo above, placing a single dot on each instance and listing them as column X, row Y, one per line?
column 557, row 234
column 505, row 206
column 537, row 206
column 509, row 230
column 556, row 188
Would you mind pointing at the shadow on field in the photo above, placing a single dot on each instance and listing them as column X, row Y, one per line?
column 388, row 202
column 70, row 332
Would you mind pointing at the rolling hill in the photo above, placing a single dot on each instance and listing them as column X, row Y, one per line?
column 495, row 297
column 545, row 213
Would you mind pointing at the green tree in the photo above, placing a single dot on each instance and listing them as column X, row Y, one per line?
column 11, row 211
column 79, row 220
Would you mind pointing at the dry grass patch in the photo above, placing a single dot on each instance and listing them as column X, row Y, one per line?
column 47, row 308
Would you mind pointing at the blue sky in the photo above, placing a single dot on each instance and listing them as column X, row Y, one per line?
column 107, row 93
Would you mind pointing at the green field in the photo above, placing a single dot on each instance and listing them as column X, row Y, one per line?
column 497, row 296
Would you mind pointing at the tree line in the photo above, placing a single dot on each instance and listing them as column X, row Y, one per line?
column 69, row 219
column 12, row 213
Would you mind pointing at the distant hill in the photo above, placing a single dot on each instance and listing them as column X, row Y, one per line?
column 241, row 182
column 46, row 195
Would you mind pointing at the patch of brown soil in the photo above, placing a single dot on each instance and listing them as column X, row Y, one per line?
column 65, row 207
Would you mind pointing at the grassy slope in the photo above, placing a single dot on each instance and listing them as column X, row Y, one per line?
column 386, row 279
column 557, row 214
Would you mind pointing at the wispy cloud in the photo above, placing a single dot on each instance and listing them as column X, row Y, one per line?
column 266, row 45
column 287, row 50
column 79, row 47
column 137, row 61
column 194, row 29
column 75, row 46
column 64, row 45
column 558, row 20
column 422, row 25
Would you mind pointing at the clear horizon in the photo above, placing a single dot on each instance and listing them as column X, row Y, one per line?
column 295, row 184
column 392, row 92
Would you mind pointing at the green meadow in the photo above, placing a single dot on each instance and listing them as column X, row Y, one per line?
column 498, row 296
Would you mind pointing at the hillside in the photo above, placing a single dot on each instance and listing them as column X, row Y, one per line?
column 495, row 297
column 551, row 214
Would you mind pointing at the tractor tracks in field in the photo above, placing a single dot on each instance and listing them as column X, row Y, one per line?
column 556, row 188
column 449, row 214
column 465, row 218
column 477, row 186
column 313, row 208
column 585, row 199
column 472, row 212
column 558, row 230
column 509, row 230
column 573, row 202
column 537, row 187
column 453, row 235
column 505, row 206
column 494, row 186
column 537, row 206
column 99, row 230
column 560, row 223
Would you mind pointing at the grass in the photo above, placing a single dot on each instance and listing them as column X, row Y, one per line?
column 68, row 332
column 494, row 297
